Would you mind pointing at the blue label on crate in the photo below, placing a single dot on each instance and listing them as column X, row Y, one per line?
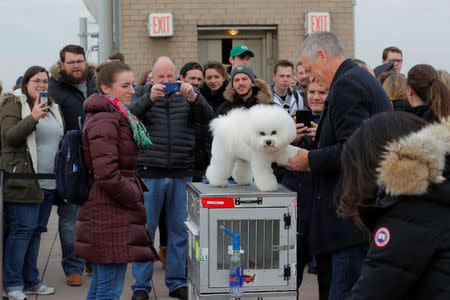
column 237, row 278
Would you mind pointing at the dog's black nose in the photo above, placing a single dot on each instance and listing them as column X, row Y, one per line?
column 268, row 142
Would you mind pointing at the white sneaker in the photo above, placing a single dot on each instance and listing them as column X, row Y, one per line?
column 16, row 295
column 42, row 290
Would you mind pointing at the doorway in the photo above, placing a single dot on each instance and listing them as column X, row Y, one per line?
column 215, row 43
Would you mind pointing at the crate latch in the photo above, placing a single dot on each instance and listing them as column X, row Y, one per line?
column 287, row 221
column 287, row 272
column 238, row 201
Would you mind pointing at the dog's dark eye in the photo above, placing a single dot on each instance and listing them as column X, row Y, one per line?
column 274, row 132
column 262, row 133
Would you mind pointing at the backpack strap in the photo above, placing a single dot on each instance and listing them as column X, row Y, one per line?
column 80, row 122
column 296, row 98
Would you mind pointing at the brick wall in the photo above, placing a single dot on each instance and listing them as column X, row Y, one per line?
column 289, row 15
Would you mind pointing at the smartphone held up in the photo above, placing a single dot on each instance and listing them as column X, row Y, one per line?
column 304, row 116
column 171, row 87
column 43, row 97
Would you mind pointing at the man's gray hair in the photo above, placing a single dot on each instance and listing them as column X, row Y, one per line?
column 164, row 58
column 324, row 40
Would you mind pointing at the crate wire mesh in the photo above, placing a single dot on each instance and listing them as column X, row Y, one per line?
column 266, row 224
column 258, row 238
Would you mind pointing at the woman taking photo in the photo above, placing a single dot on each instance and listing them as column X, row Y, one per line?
column 30, row 134
column 395, row 181
column 427, row 94
column 215, row 83
column 111, row 228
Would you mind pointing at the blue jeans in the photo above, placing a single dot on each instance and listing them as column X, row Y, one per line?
column 67, row 214
column 346, row 268
column 107, row 281
column 22, row 245
column 172, row 192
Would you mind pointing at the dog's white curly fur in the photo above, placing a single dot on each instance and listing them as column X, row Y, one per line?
column 247, row 141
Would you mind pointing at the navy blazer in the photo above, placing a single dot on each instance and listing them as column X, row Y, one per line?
column 354, row 95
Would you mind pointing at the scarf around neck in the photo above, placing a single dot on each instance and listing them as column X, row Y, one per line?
column 140, row 134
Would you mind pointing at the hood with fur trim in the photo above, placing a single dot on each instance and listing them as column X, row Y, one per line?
column 263, row 93
column 55, row 70
column 411, row 164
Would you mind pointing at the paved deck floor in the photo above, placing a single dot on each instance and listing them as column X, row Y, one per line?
column 50, row 270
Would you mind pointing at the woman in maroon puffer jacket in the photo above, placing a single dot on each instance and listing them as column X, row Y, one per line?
column 111, row 230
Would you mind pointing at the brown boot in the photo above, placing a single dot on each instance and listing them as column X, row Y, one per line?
column 74, row 280
column 162, row 256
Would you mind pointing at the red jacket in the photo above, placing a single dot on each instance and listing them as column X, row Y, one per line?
column 111, row 224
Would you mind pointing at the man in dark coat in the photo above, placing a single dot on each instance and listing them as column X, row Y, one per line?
column 166, row 167
column 354, row 95
column 72, row 81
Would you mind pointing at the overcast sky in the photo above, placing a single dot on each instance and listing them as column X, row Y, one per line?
column 33, row 32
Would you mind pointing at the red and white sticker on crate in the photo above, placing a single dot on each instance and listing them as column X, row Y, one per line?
column 218, row 202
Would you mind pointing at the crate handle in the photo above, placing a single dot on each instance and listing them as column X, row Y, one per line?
column 238, row 201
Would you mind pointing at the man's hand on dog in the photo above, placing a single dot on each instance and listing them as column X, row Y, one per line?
column 299, row 162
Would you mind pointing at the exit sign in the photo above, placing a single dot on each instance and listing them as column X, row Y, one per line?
column 317, row 21
column 160, row 25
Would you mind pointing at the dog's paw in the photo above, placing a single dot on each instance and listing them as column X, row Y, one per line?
column 218, row 183
column 243, row 182
column 266, row 185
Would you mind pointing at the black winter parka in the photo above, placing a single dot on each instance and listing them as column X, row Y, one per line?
column 69, row 98
column 409, row 255
column 169, row 121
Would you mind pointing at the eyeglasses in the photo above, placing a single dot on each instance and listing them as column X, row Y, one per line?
column 395, row 60
column 75, row 62
column 38, row 81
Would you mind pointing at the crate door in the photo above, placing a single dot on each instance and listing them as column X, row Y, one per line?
column 262, row 232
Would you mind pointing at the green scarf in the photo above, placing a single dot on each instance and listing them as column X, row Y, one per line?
column 140, row 134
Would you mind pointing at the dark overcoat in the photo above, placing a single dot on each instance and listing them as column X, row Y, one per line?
column 354, row 95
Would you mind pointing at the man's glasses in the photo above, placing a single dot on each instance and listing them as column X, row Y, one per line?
column 395, row 60
column 38, row 81
column 75, row 62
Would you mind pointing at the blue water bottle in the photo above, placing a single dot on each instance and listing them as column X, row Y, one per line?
column 236, row 269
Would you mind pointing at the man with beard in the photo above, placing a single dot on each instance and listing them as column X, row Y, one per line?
column 70, row 84
column 192, row 73
column 244, row 90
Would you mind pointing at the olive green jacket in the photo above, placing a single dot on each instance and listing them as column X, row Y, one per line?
column 18, row 152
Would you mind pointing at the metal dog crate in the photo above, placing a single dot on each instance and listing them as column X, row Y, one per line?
column 266, row 222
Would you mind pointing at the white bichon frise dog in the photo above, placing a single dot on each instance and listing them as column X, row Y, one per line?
column 247, row 141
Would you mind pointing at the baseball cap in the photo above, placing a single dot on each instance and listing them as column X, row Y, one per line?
column 243, row 69
column 190, row 66
column 240, row 49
